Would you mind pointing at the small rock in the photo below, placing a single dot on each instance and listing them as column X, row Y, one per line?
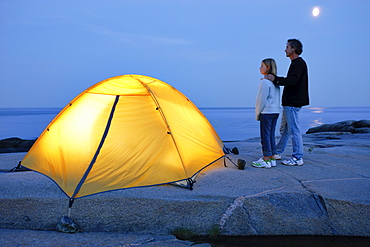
column 67, row 225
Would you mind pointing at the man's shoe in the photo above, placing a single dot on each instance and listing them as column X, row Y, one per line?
column 261, row 164
column 293, row 162
column 277, row 156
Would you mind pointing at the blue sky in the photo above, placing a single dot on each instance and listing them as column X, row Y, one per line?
column 209, row 50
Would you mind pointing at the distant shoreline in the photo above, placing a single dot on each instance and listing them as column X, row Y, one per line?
column 15, row 145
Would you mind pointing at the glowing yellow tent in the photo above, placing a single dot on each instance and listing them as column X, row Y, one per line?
column 123, row 132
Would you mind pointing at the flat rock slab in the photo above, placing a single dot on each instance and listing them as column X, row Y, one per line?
column 18, row 237
column 329, row 195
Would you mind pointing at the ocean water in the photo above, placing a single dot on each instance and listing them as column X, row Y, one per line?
column 231, row 124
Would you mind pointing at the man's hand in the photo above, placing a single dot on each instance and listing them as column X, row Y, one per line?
column 270, row 77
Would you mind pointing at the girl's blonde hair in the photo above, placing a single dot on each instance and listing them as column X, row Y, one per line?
column 271, row 64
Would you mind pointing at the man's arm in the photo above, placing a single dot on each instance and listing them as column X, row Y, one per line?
column 294, row 74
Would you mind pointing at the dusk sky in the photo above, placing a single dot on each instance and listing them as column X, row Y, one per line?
column 209, row 50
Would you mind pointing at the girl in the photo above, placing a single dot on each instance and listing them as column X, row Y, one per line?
column 267, row 112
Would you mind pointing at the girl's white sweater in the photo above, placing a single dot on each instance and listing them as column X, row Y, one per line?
column 268, row 98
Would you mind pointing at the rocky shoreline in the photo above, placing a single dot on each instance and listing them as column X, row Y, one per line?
column 351, row 126
column 15, row 145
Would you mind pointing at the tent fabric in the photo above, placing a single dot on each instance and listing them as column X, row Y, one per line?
column 124, row 132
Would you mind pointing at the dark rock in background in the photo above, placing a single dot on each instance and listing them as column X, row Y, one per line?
column 13, row 145
column 352, row 126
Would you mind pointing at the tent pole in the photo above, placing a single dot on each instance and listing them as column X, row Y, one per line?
column 163, row 117
column 96, row 153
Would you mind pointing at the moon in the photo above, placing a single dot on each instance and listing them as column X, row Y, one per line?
column 315, row 11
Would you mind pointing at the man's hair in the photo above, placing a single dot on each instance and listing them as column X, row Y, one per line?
column 271, row 64
column 297, row 45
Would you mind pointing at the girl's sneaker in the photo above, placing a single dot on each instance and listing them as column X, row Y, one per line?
column 273, row 162
column 261, row 163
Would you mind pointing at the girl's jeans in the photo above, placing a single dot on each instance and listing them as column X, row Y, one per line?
column 290, row 127
column 267, row 132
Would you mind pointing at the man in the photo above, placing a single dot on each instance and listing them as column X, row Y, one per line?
column 295, row 95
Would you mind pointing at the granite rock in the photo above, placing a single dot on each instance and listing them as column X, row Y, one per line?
column 14, row 144
column 352, row 126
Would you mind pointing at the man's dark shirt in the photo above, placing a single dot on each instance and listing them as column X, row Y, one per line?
column 295, row 84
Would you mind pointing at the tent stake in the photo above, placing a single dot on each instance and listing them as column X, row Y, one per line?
column 71, row 200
